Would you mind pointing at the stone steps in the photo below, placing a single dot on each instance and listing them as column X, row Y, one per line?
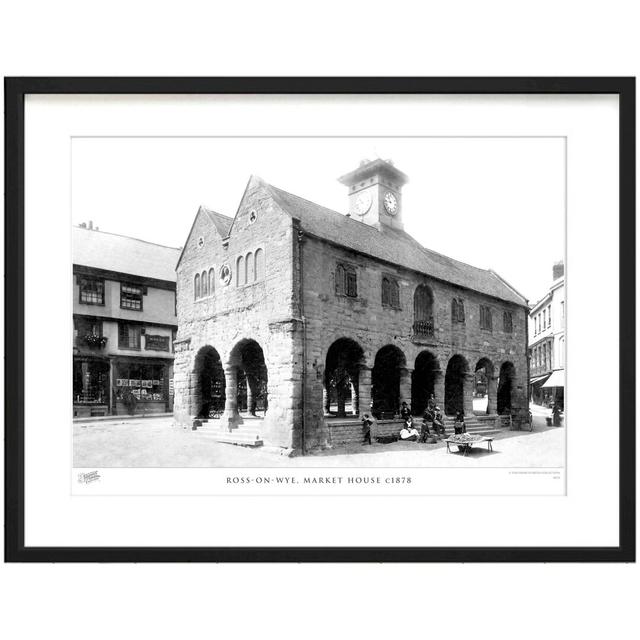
column 244, row 435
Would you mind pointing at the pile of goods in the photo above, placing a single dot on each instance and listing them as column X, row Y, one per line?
column 464, row 438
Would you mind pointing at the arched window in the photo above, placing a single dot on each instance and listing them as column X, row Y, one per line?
column 507, row 321
column 259, row 260
column 196, row 287
column 423, row 311
column 250, row 266
column 340, row 279
column 212, row 281
column 240, row 272
column 204, row 284
column 386, row 291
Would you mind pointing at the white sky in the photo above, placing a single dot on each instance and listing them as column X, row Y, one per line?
column 492, row 202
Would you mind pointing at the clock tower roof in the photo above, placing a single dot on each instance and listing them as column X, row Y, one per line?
column 377, row 167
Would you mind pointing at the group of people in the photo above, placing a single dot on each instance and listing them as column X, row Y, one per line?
column 432, row 424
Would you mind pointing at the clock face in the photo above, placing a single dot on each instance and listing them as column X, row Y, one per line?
column 362, row 203
column 390, row 203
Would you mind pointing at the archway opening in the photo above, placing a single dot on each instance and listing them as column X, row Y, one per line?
column 210, row 388
column 341, row 378
column 506, row 386
column 483, row 387
column 252, row 377
column 423, row 381
column 385, row 381
column 457, row 370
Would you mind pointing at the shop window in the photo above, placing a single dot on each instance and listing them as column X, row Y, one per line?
column 486, row 321
column 457, row 310
column 507, row 322
column 390, row 292
column 129, row 336
column 91, row 290
column 131, row 297
column 346, row 281
column 156, row 343
column 140, row 382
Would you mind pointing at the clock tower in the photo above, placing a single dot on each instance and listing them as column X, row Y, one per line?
column 375, row 193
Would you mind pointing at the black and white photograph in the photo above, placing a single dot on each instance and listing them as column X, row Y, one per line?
column 319, row 302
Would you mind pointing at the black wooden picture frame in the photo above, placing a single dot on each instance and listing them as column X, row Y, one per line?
column 15, row 91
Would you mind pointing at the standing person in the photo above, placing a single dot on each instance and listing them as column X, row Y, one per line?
column 431, row 403
column 555, row 412
column 438, row 422
column 424, row 429
column 458, row 425
column 368, row 428
column 405, row 411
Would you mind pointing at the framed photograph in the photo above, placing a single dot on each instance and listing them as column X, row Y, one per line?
column 320, row 319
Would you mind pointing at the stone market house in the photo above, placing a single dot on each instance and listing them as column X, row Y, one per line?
column 124, row 323
column 294, row 319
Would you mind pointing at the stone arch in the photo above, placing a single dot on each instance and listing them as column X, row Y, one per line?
column 388, row 368
column 506, row 388
column 423, row 380
column 454, row 384
column 423, row 311
column 209, row 390
column 344, row 360
column 247, row 365
column 484, row 385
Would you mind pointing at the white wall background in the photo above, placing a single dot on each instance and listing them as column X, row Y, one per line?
column 293, row 38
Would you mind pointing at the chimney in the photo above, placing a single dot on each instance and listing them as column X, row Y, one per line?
column 558, row 270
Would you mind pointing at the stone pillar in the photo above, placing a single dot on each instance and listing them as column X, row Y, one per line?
column 251, row 394
column 326, row 400
column 438, row 388
column 405, row 385
column 364, row 390
column 355, row 399
column 230, row 418
column 467, row 393
column 492, row 393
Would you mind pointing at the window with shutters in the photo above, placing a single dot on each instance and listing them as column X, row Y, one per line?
column 457, row 310
column 390, row 292
column 486, row 321
column 346, row 281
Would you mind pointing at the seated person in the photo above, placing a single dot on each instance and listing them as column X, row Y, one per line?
column 405, row 411
column 438, row 422
column 409, row 432
column 424, row 430
column 458, row 425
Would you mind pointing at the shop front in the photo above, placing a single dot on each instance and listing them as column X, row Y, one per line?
column 91, row 388
column 141, row 387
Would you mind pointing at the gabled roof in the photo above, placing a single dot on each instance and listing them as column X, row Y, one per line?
column 114, row 252
column 392, row 245
column 220, row 222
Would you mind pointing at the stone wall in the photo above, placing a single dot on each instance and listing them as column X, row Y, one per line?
column 364, row 319
column 264, row 311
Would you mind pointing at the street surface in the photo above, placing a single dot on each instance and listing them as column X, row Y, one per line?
column 156, row 443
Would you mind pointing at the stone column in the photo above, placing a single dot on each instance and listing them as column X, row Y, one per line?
column 251, row 396
column 405, row 385
column 355, row 399
column 326, row 400
column 438, row 388
column 492, row 393
column 230, row 418
column 467, row 393
column 364, row 390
